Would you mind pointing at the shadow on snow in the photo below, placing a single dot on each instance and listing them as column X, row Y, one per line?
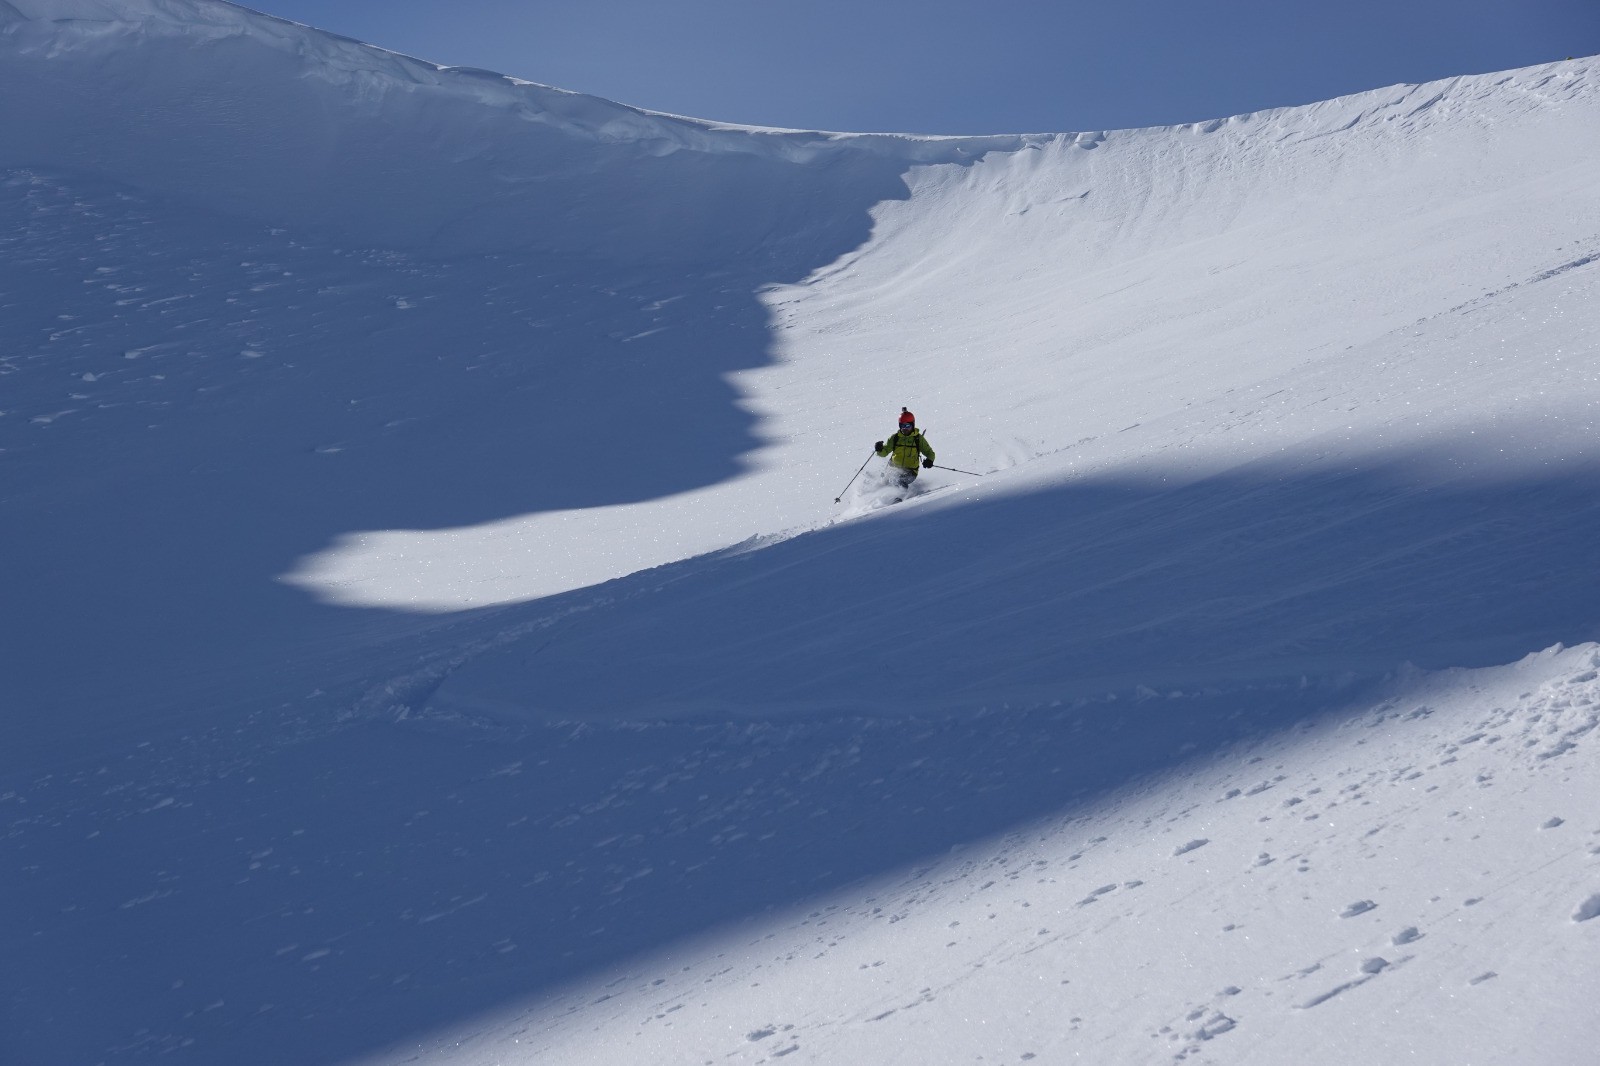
column 387, row 880
column 196, row 402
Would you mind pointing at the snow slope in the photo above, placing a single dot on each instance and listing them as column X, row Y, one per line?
column 1022, row 297
column 1398, row 886
column 430, row 635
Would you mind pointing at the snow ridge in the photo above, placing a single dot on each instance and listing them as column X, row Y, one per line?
column 264, row 118
column 289, row 125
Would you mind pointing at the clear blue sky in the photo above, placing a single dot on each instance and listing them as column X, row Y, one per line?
column 967, row 66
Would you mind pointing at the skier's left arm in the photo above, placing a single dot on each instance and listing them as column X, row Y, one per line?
column 926, row 448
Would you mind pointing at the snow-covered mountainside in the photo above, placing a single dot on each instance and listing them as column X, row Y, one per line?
column 431, row 634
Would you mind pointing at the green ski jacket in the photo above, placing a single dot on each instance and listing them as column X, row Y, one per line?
column 904, row 449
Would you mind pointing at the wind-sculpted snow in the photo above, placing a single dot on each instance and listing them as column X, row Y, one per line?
column 429, row 635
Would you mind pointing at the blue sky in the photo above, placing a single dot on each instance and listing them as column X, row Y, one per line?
column 964, row 66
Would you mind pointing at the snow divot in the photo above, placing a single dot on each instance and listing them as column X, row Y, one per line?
column 1370, row 968
column 1360, row 906
column 1096, row 894
column 1184, row 849
column 1407, row 935
column 1589, row 908
column 1317, row 1001
column 1214, row 1027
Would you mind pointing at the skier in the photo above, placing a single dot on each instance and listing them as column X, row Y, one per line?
column 904, row 448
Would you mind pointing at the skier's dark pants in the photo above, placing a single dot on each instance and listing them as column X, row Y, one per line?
column 900, row 477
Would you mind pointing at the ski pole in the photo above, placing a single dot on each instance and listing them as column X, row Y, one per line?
column 974, row 473
column 853, row 477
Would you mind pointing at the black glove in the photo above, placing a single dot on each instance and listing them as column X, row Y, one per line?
column 927, row 464
column 878, row 447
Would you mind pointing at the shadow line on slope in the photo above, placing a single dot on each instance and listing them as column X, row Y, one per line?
column 198, row 401
column 1275, row 569
column 391, row 881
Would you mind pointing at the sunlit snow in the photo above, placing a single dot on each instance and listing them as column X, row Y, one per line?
column 432, row 636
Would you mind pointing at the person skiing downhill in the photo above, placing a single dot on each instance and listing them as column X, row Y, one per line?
column 904, row 448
